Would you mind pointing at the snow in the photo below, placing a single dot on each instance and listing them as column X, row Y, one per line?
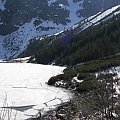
column 104, row 14
column 116, row 13
column 2, row 3
column 15, row 43
column 50, row 2
column 74, row 7
column 93, row 16
column 115, row 70
column 76, row 80
column 95, row 19
column 24, row 85
column 18, row 60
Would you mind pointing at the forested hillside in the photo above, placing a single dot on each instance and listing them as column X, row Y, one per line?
column 73, row 48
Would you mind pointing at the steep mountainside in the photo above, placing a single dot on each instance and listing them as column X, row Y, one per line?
column 78, row 45
column 22, row 20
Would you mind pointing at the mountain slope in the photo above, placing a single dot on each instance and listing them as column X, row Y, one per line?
column 77, row 45
column 46, row 17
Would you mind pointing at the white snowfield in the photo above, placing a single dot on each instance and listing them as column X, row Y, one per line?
column 23, row 87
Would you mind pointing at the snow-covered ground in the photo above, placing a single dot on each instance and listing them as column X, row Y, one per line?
column 2, row 3
column 101, row 16
column 23, row 86
column 16, row 42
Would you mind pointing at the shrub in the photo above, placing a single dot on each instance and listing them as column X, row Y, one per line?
column 86, row 86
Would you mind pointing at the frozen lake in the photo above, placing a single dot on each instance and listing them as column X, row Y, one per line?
column 23, row 87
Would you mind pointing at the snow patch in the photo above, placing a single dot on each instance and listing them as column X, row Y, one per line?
column 97, row 18
column 50, row 2
column 2, row 3
column 17, row 42
column 73, row 8
column 75, row 80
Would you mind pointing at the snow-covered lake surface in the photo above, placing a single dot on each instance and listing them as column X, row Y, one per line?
column 23, row 86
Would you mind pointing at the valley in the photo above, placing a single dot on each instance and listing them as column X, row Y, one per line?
column 59, row 59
